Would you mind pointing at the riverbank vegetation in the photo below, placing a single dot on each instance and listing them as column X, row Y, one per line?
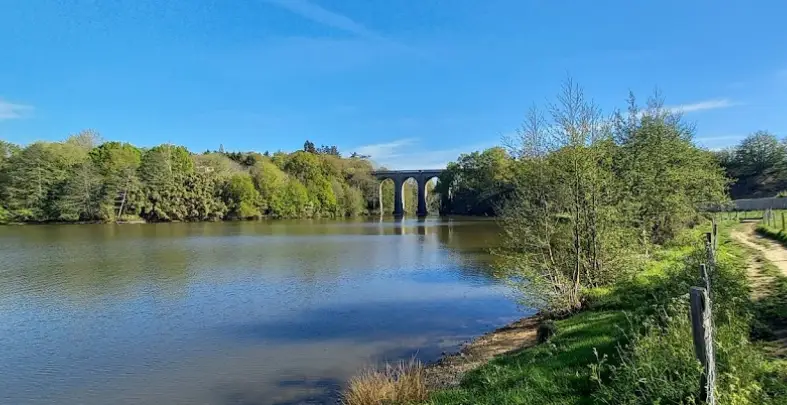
column 602, row 222
column 592, row 195
column 632, row 343
column 84, row 179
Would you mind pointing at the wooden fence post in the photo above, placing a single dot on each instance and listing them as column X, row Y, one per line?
column 702, row 330
column 705, row 276
column 709, row 250
column 782, row 220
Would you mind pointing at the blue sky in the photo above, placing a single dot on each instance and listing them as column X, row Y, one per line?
column 411, row 82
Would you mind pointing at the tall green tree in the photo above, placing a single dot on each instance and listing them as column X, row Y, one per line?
column 295, row 201
column 6, row 151
column 664, row 176
column 33, row 177
column 310, row 171
column 477, row 183
column 165, row 171
column 241, row 198
column 161, row 163
column 757, row 166
column 759, row 153
column 81, row 196
column 81, row 193
column 271, row 182
column 118, row 164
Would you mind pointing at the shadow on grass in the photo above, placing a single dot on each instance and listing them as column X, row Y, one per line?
column 771, row 309
column 555, row 372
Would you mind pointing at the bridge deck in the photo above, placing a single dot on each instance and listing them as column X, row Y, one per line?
column 437, row 171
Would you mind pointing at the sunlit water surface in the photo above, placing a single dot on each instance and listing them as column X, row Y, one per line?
column 234, row 313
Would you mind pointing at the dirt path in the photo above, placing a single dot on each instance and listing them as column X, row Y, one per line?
column 764, row 285
column 772, row 251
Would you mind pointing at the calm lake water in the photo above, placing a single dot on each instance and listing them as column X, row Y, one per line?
column 234, row 313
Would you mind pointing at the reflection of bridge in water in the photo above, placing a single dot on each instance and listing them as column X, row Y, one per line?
column 399, row 177
column 422, row 227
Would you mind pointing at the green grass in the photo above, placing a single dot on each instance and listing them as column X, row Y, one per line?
column 555, row 372
column 772, row 308
column 775, row 234
column 770, row 311
column 632, row 344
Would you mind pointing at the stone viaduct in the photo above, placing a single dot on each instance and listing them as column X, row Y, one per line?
column 399, row 177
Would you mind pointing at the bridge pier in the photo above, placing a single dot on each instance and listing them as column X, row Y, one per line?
column 422, row 211
column 398, row 197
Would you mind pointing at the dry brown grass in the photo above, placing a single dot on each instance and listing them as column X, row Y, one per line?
column 402, row 383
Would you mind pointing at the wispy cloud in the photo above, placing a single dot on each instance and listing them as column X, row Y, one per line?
column 409, row 154
column 314, row 12
column 718, row 142
column 713, row 104
column 10, row 111
column 719, row 137
column 384, row 151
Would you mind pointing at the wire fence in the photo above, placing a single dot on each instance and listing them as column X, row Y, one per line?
column 702, row 319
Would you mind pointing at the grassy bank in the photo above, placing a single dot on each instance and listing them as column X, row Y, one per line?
column 775, row 234
column 632, row 343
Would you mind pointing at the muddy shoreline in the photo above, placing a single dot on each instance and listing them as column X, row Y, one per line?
column 448, row 371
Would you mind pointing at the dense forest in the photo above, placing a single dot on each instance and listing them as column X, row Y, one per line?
column 84, row 179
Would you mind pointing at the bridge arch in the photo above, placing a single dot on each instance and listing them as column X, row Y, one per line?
column 383, row 203
column 425, row 191
column 399, row 177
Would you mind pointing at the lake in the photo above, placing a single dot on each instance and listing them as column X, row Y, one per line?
column 247, row 313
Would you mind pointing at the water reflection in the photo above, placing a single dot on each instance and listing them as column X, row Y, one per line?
column 222, row 312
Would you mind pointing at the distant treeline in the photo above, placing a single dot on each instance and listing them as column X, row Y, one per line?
column 83, row 179
column 481, row 182
column 757, row 166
